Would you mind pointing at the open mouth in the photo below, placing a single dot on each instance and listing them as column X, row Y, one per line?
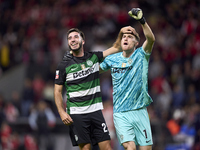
column 125, row 43
column 74, row 44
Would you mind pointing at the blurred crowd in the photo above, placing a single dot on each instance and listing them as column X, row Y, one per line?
column 33, row 33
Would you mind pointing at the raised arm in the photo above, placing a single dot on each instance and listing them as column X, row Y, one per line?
column 117, row 45
column 137, row 14
column 150, row 39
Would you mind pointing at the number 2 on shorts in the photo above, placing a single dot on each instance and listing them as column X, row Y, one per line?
column 104, row 127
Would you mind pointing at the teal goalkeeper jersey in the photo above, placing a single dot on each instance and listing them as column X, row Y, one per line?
column 129, row 79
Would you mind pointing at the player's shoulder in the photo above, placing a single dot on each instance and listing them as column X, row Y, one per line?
column 62, row 64
column 66, row 60
column 99, row 54
column 67, row 56
column 116, row 55
column 141, row 50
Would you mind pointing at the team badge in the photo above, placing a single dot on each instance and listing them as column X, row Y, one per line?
column 89, row 63
column 130, row 61
column 57, row 74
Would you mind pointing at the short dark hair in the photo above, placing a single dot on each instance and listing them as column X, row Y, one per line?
column 76, row 30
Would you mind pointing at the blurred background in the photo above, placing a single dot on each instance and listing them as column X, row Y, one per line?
column 33, row 41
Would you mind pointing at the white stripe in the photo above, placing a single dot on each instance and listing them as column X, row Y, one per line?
column 85, row 92
column 86, row 109
column 70, row 76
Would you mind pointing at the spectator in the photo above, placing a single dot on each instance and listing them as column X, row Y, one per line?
column 2, row 115
column 11, row 112
column 30, row 142
column 41, row 121
column 38, row 84
column 27, row 97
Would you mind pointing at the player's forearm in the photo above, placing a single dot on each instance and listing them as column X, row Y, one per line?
column 110, row 51
column 116, row 46
column 150, row 39
column 148, row 33
column 59, row 102
column 117, row 43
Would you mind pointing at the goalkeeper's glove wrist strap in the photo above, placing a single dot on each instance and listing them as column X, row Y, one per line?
column 142, row 20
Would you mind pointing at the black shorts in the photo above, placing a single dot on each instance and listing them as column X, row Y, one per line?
column 88, row 128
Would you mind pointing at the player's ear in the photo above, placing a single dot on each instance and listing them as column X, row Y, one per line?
column 136, row 44
column 83, row 42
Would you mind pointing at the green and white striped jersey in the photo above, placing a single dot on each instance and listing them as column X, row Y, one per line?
column 80, row 76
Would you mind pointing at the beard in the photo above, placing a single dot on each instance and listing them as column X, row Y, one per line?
column 76, row 48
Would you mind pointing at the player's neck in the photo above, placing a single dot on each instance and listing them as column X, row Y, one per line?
column 78, row 53
column 128, row 53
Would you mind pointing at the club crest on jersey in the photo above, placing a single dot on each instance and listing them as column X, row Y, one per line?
column 123, row 64
column 57, row 74
column 89, row 63
column 83, row 66
column 130, row 61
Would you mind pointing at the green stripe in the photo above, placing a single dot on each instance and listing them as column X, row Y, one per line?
column 83, row 86
column 94, row 60
column 68, row 69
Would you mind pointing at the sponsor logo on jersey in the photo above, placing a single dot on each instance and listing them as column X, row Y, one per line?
column 83, row 73
column 74, row 68
column 120, row 70
column 57, row 74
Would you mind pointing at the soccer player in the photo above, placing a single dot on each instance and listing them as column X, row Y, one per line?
column 79, row 73
column 129, row 71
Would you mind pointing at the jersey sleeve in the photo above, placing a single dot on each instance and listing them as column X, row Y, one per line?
column 104, row 65
column 99, row 55
column 145, row 53
column 60, row 76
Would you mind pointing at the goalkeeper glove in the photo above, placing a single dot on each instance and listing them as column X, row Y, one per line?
column 137, row 14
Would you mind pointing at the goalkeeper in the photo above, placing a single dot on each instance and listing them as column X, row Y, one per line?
column 129, row 70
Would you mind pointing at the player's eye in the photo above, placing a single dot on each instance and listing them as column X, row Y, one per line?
column 124, row 36
column 69, row 38
column 130, row 36
column 76, row 36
